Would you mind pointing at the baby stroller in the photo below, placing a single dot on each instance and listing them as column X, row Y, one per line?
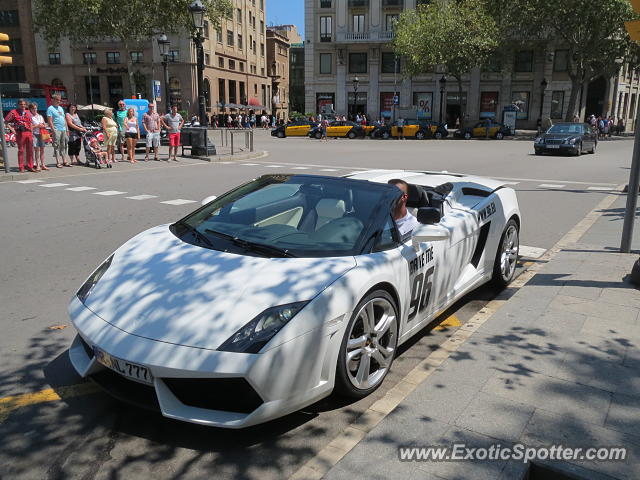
column 91, row 159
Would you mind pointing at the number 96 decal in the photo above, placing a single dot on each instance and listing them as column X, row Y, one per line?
column 420, row 292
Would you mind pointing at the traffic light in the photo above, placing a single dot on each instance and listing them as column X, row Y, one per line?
column 4, row 60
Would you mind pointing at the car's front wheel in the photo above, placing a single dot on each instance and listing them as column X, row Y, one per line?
column 280, row 134
column 499, row 136
column 420, row 135
column 467, row 135
column 438, row 135
column 351, row 135
column 504, row 266
column 318, row 135
column 368, row 346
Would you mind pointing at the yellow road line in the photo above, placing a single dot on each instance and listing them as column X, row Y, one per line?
column 449, row 322
column 8, row 404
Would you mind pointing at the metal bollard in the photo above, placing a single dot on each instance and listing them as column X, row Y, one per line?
column 232, row 144
column 251, row 147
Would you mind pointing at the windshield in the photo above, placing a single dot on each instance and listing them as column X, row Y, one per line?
column 288, row 216
column 574, row 128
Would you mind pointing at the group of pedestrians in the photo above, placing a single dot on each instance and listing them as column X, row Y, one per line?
column 65, row 131
column 606, row 126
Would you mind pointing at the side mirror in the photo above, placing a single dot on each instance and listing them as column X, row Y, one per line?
column 428, row 215
column 428, row 233
column 208, row 199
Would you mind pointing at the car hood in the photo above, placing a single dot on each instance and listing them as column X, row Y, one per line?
column 162, row 288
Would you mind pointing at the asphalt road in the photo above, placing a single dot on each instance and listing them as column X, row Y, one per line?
column 52, row 237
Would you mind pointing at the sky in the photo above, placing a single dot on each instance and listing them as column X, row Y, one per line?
column 281, row 12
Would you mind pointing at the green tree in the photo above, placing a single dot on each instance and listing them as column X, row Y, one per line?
column 592, row 31
column 456, row 35
column 84, row 22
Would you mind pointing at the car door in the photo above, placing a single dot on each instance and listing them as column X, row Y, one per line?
column 479, row 130
column 588, row 135
column 410, row 130
column 333, row 130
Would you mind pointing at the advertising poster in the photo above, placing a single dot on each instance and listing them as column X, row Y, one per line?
column 386, row 104
column 423, row 101
column 488, row 104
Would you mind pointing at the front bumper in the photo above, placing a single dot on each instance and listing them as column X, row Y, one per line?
column 561, row 148
column 278, row 381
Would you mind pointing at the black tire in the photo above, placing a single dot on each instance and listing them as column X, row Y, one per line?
column 280, row 134
column 385, row 135
column 499, row 280
column 351, row 135
column 579, row 151
column 593, row 149
column 468, row 135
column 420, row 135
column 318, row 135
column 343, row 384
column 438, row 135
column 499, row 136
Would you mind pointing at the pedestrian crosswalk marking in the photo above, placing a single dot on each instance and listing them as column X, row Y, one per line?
column 80, row 189
column 109, row 193
column 550, row 185
column 274, row 166
column 142, row 197
column 178, row 201
column 299, row 168
column 52, row 185
column 249, row 164
column 30, row 181
column 511, row 183
column 328, row 169
column 599, row 189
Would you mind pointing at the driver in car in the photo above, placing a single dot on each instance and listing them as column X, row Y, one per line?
column 405, row 221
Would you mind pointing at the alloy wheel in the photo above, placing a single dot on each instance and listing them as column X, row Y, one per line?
column 509, row 253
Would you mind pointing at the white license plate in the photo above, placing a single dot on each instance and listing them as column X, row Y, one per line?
column 124, row 368
column 553, row 146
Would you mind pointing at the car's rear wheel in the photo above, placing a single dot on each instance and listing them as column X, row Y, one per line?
column 368, row 346
column 438, row 135
column 351, row 135
column 467, row 135
column 280, row 134
column 593, row 149
column 499, row 136
column 318, row 135
column 579, row 150
column 504, row 266
column 386, row 135
column 420, row 135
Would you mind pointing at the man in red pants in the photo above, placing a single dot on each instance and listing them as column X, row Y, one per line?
column 19, row 122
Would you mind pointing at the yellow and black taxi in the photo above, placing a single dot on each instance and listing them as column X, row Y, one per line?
column 339, row 128
column 479, row 130
column 298, row 128
column 412, row 129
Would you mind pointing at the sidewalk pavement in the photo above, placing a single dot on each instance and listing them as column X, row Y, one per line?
column 557, row 363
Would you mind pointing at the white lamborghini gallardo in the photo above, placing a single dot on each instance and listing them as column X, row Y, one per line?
column 287, row 288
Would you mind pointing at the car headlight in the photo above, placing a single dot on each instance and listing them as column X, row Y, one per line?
column 255, row 334
column 539, row 140
column 570, row 141
column 93, row 279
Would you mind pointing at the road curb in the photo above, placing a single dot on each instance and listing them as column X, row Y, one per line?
column 13, row 177
column 318, row 466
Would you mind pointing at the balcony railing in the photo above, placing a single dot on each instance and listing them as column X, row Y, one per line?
column 388, row 35
column 356, row 36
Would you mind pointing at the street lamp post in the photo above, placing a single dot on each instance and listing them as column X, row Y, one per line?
column 89, row 62
column 543, row 87
column 443, row 86
column 163, row 46
column 197, row 11
column 356, row 82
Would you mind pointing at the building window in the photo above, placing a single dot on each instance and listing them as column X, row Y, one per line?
column 390, row 63
column 524, row 61
column 89, row 58
column 488, row 104
column 113, row 57
column 325, row 3
column 561, row 61
column 232, row 64
column 261, row 4
column 262, row 49
column 205, row 28
column 325, row 63
column 243, row 96
column 174, row 55
column 422, row 2
column 557, row 103
column 219, row 36
column 357, row 63
column 114, row 85
column 92, row 87
column 520, row 100
column 632, row 109
column 240, row 43
column 12, row 73
column 207, row 59
column 241, row 66
column 239, row 15
column 136, row 57
column 262, row 27
column 230, row 38
column 325, row 29
column 9, row 18
column 262, row 71
column 233, row 98
column 358, row 23
column 221, row 89
column 54, row 59
column 392, row 3
column 391, row 20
